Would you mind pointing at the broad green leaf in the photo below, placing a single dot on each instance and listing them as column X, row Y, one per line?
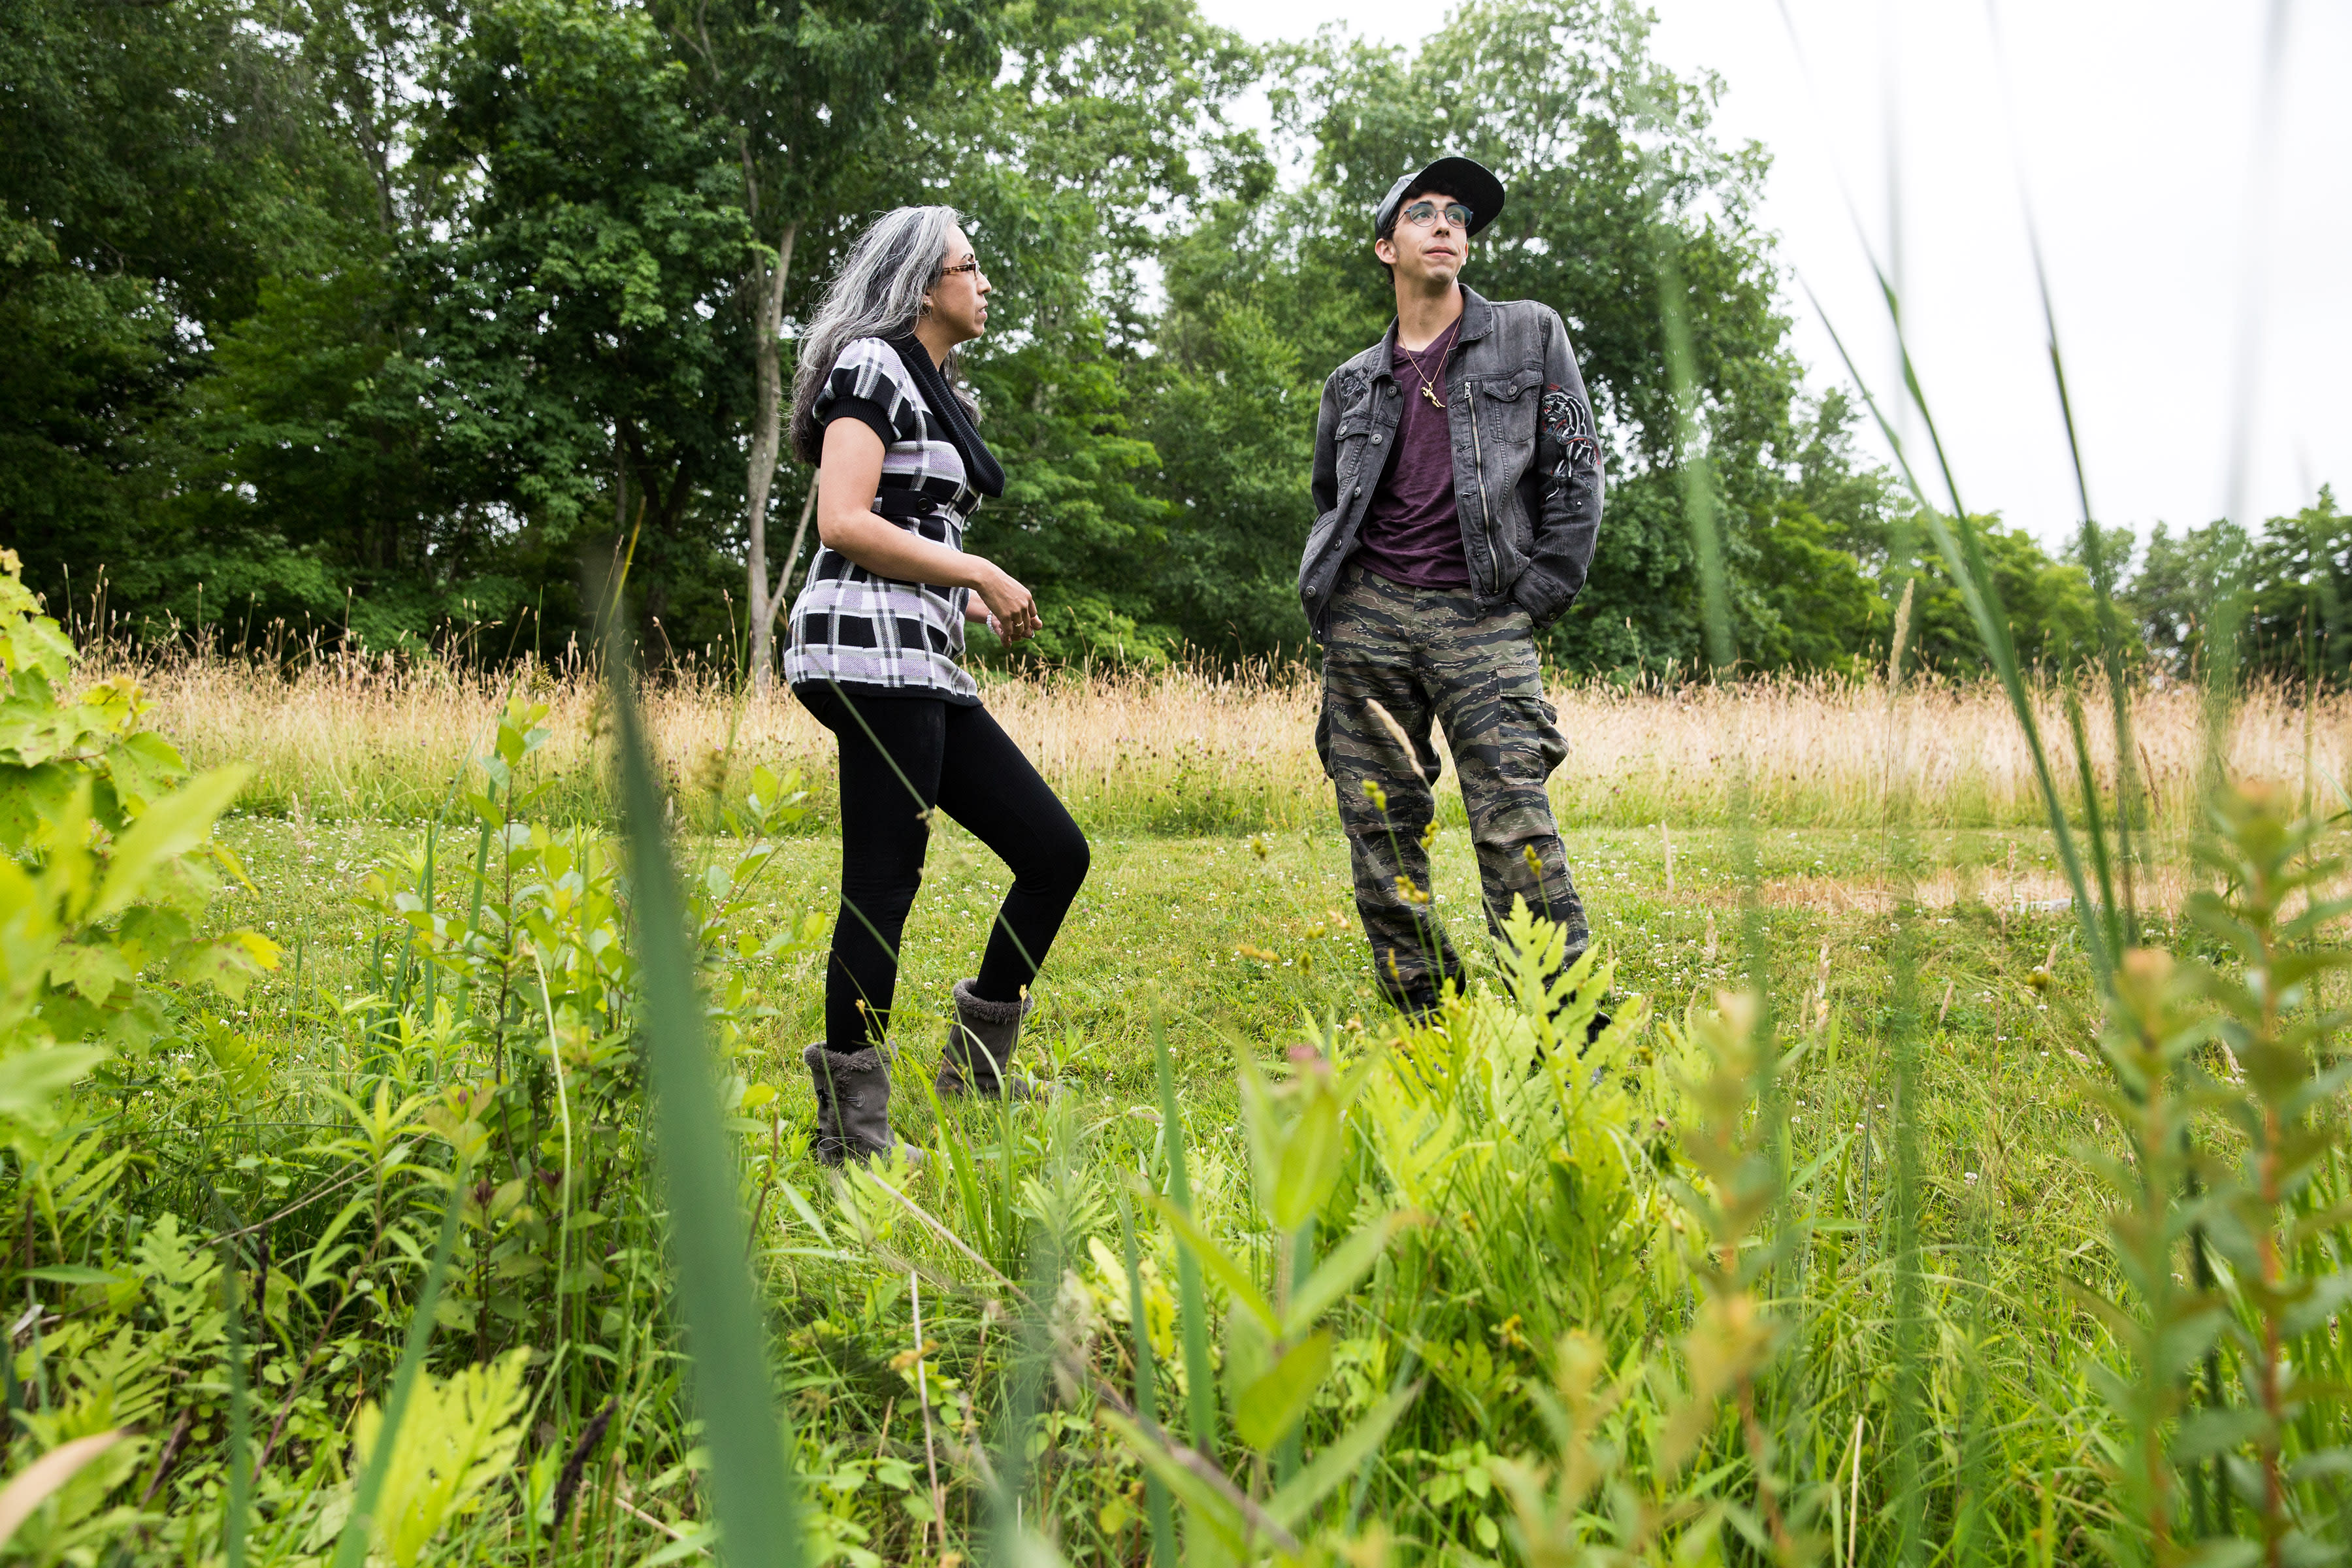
column 2210, row 1432
column 1271, row 1406
column 166, row 831
column 1308, row 1167
column 143, row 767
column 1249, row 1351
column 30, row 1080
column 1340, row 1269
column 2327, row 1464
column 37, row 1481
column 2225, row 1555
column 93, row 969
column 1290, row 1506
column 1208, row 1505
column 31, row 796
column 694, row 1541
column 72, row 1274
column 1235, row 1279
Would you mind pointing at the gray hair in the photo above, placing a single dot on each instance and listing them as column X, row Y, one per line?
column 878, row 294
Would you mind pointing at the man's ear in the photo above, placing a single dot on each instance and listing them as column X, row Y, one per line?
column 1385, row 248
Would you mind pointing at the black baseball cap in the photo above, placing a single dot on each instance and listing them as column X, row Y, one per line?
column 1468, row 181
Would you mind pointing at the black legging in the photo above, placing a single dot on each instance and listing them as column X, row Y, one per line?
column 955, row 758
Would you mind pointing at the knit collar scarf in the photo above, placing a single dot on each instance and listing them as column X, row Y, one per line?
column 980, row 465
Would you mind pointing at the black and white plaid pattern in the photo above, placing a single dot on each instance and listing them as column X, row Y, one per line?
column 852, row 628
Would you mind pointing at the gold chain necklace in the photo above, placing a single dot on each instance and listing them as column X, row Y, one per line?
column 1422, row 370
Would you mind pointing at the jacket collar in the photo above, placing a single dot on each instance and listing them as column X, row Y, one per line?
column 1477, row 320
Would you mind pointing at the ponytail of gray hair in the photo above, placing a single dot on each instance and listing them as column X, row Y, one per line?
column 880, row 294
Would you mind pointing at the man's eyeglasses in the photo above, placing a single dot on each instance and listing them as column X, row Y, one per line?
column 972, row 266
column 1421, row 215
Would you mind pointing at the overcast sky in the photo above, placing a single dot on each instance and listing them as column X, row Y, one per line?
column 2131, row 131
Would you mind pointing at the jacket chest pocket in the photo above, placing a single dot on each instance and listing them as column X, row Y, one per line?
column 1355, row 434
column 1507, row 408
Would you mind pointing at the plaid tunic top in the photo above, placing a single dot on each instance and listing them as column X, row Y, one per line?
column 866, row 633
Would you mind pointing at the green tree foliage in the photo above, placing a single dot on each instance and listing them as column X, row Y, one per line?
column 1106, row 130
column 372, row 319
column 808, row 99
column 2053, row 617
column 585, row 347
column 147, row 171
column 1598, row 145
column 2295, row 577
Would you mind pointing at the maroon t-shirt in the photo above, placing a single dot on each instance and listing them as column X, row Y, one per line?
column 1411, row 533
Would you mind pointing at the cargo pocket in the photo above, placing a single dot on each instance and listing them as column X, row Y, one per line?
column 1538, row 723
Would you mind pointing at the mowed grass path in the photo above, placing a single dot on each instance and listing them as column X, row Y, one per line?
column 1165, row 925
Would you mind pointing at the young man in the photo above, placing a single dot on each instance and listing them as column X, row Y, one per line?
column 1457, row 487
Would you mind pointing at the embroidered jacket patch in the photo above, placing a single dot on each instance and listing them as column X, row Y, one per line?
column 1568, row 422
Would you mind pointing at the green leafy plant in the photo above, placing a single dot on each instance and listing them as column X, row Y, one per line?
column 109, row 864
column 456, row 1440
column 1278, row 1357
column 1598, row 1502
column 2229, row 1218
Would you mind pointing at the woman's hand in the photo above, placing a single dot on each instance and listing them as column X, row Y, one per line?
column 1012, row 608
column 975, row 613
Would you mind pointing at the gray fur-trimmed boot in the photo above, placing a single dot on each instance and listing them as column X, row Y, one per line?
column 853, row 1104
column 979, row 1057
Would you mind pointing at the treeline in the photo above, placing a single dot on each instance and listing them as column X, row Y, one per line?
column 325, row 318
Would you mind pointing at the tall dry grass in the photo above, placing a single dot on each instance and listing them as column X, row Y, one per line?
column 1203, row 751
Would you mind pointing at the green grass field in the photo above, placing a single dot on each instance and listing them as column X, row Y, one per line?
column 1179, row 928
column 1163, row 920
column 1856, row 1280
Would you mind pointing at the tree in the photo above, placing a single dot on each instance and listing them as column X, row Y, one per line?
column 156, row 163
column 2292, row 581
column 581, row 332
column 2052, row 613
column 1598, row 146
column 1818, row 558
column 813, row 104
column 1233, row 420
column 1105, row 130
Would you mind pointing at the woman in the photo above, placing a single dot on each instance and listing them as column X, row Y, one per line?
column 875, row 654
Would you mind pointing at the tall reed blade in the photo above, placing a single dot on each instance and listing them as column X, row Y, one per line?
column 2094, row 820
column 1697, row 474
column 2111, row 648
column 1192, row 1304
column 1013, row 1537
column 1758, row 1054
column 752, row 1489
column 240, row 1420
column 1147, row 1394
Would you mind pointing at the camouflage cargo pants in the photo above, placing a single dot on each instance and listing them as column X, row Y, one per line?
column 1430, row 655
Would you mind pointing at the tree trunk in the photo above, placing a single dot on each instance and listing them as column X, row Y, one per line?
column 766, row 286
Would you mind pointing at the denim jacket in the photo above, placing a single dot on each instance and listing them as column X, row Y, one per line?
column 1526, row 463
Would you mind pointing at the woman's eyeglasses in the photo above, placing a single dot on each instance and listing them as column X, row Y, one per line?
column 972, row 266
column 1421, row 215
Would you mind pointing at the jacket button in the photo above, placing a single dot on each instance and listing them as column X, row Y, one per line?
column 1360, row 490
column 1376, row 440
column 1393, row 389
